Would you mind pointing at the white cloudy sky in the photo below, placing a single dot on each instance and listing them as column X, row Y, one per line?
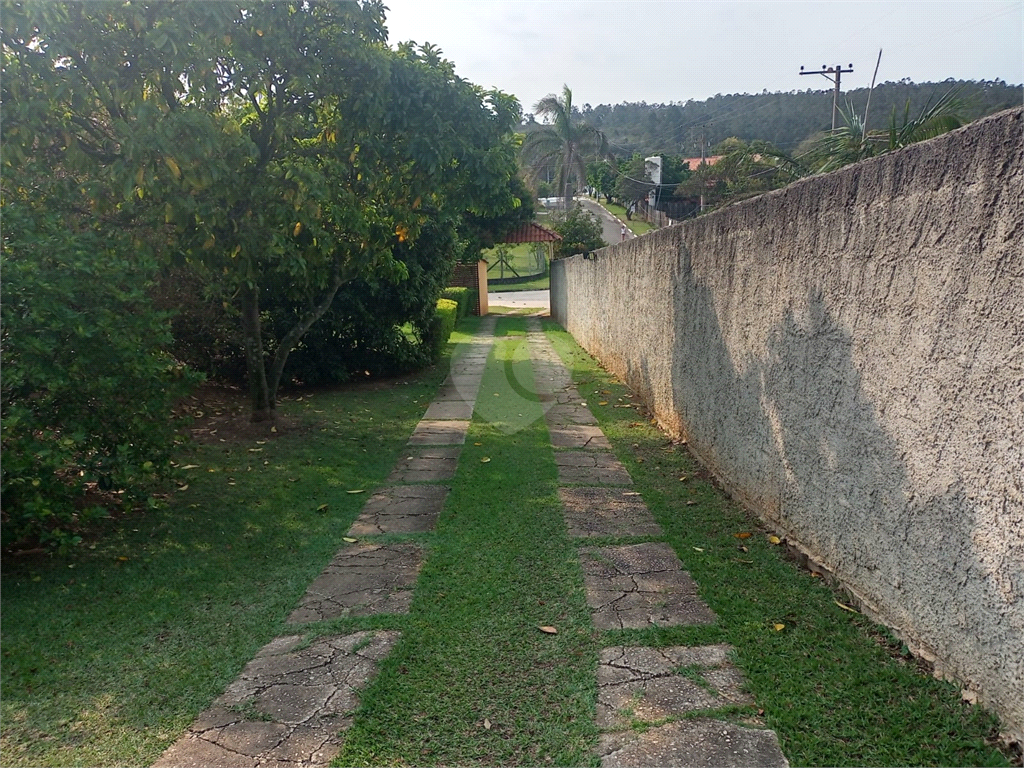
column 610, row 51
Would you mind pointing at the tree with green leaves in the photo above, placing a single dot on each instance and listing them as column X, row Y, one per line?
column 281, row 148
column 565, row 143
column 580, row 231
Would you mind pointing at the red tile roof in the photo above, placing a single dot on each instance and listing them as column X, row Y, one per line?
column 531, row 233
column 694, row 162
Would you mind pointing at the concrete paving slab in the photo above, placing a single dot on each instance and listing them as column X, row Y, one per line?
column 569, row 414
column 640, row 585
column 446, row 410
column 400, row 509
column 362, row 580
column 436, row 432
column 449, row 392
column 638, row 683
column 426, row 465
column 286, row 708
column 585, row 437
column 606, row 512
column 590, row 468
column 696, row 742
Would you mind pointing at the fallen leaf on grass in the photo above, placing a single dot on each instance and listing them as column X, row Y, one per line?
column 487, row 724
column 349, row 539
column 779, row 627
column 698, row 549
column 691, row 503
column 774, row 540
column 743, row 535
column 183, row 487
column 322, row 508
column 845, row 607
column 191, row 466
column 477, row 443
column 741, row 560
column 603, row 402
column 485, row 459
column 357, row 490
column 548, row 630
column 741, row 548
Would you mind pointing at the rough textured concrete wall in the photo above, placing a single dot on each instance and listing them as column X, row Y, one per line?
column 847, row 355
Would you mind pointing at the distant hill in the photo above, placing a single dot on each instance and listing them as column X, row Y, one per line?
column 784, row 119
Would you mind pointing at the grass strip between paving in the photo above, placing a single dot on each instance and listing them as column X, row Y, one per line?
column 837, row 688
column 473, row 680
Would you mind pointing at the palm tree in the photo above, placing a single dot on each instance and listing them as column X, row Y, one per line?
column 567, row 142
column 850, row 142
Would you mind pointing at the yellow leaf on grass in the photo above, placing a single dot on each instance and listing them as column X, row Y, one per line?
column 697, row 549
column 743, row 535
column 548, row 630
column 477, row 443
column 356, row 490
column 845, row 607
column 191, row 466
column 349, row 539
column 322, row 508
column 779, row 627
column 603, row 402
column 774, row 540
column 485, row 459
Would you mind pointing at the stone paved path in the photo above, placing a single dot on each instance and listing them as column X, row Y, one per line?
column 635, row 586
column 291, row 704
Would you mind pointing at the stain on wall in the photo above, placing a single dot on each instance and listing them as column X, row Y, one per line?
column 847, row 356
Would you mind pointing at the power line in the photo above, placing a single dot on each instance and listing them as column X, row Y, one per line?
column 835, row 75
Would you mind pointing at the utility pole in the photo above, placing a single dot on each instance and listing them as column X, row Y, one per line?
column 833, row 74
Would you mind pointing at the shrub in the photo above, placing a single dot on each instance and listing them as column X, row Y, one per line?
column 440, row 328
column 461, row 296
column 87, row 388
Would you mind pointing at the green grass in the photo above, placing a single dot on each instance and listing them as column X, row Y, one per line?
column 833, row 685
column 636, row 226
column 522, row 260
column 109, row 653
column 500, row 566
column 541, row 283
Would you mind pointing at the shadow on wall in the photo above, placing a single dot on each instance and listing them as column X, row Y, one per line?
column 793, row 435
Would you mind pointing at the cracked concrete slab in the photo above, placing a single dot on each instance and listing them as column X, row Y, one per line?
column 362, row 580
column 640, row 585
column 606, row 512
column 426, row 465
column 437, row 432
column 590, row 468
column 445, row 410
column 569, row 414
column 287, row 706
column 581, row 436
column 400, row 509
column 653, row 684
column 696, row 742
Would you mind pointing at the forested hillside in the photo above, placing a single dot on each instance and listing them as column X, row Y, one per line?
column 784, row 119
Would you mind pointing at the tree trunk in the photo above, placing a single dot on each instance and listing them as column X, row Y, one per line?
column 261, row 399
column 297, row 331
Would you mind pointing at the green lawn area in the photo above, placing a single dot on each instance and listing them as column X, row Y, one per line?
column 110, row 652
column 636, row 226
column 521, row 258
